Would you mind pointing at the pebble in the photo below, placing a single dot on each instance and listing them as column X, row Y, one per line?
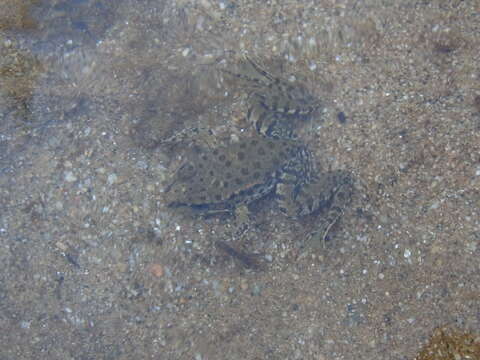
column 156, row 270
column 472, row 247
column 342, row 118
column 112, row 179
column 256, row 290
column 70, row 177
column 25, row 324
column 244, row 285
column 61, row 246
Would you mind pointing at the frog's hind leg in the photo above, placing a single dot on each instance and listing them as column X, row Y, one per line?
column 335, row 198
column 329, row 194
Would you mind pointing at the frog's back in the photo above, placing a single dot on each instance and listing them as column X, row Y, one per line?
column 224, row 177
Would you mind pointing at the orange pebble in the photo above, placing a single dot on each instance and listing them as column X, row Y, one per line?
column 156, row 270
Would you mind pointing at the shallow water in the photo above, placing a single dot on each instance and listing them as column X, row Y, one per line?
column 96, row 266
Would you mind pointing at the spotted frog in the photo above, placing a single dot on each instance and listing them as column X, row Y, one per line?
column 272, row 161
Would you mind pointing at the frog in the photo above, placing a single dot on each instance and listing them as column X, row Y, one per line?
column 271, row 161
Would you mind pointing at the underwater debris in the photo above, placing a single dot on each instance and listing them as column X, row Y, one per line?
column 451, row 344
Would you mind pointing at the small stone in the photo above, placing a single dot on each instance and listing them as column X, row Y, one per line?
column 142, row 165
column 70, row 177
column 257, row 290
column 435, row 205
column 244, row 285
column 342, row 118
column 472, row 247
column 407, row 253
column 156, row 270
column 61, row 246
column 25, row 324
column 112, row 179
